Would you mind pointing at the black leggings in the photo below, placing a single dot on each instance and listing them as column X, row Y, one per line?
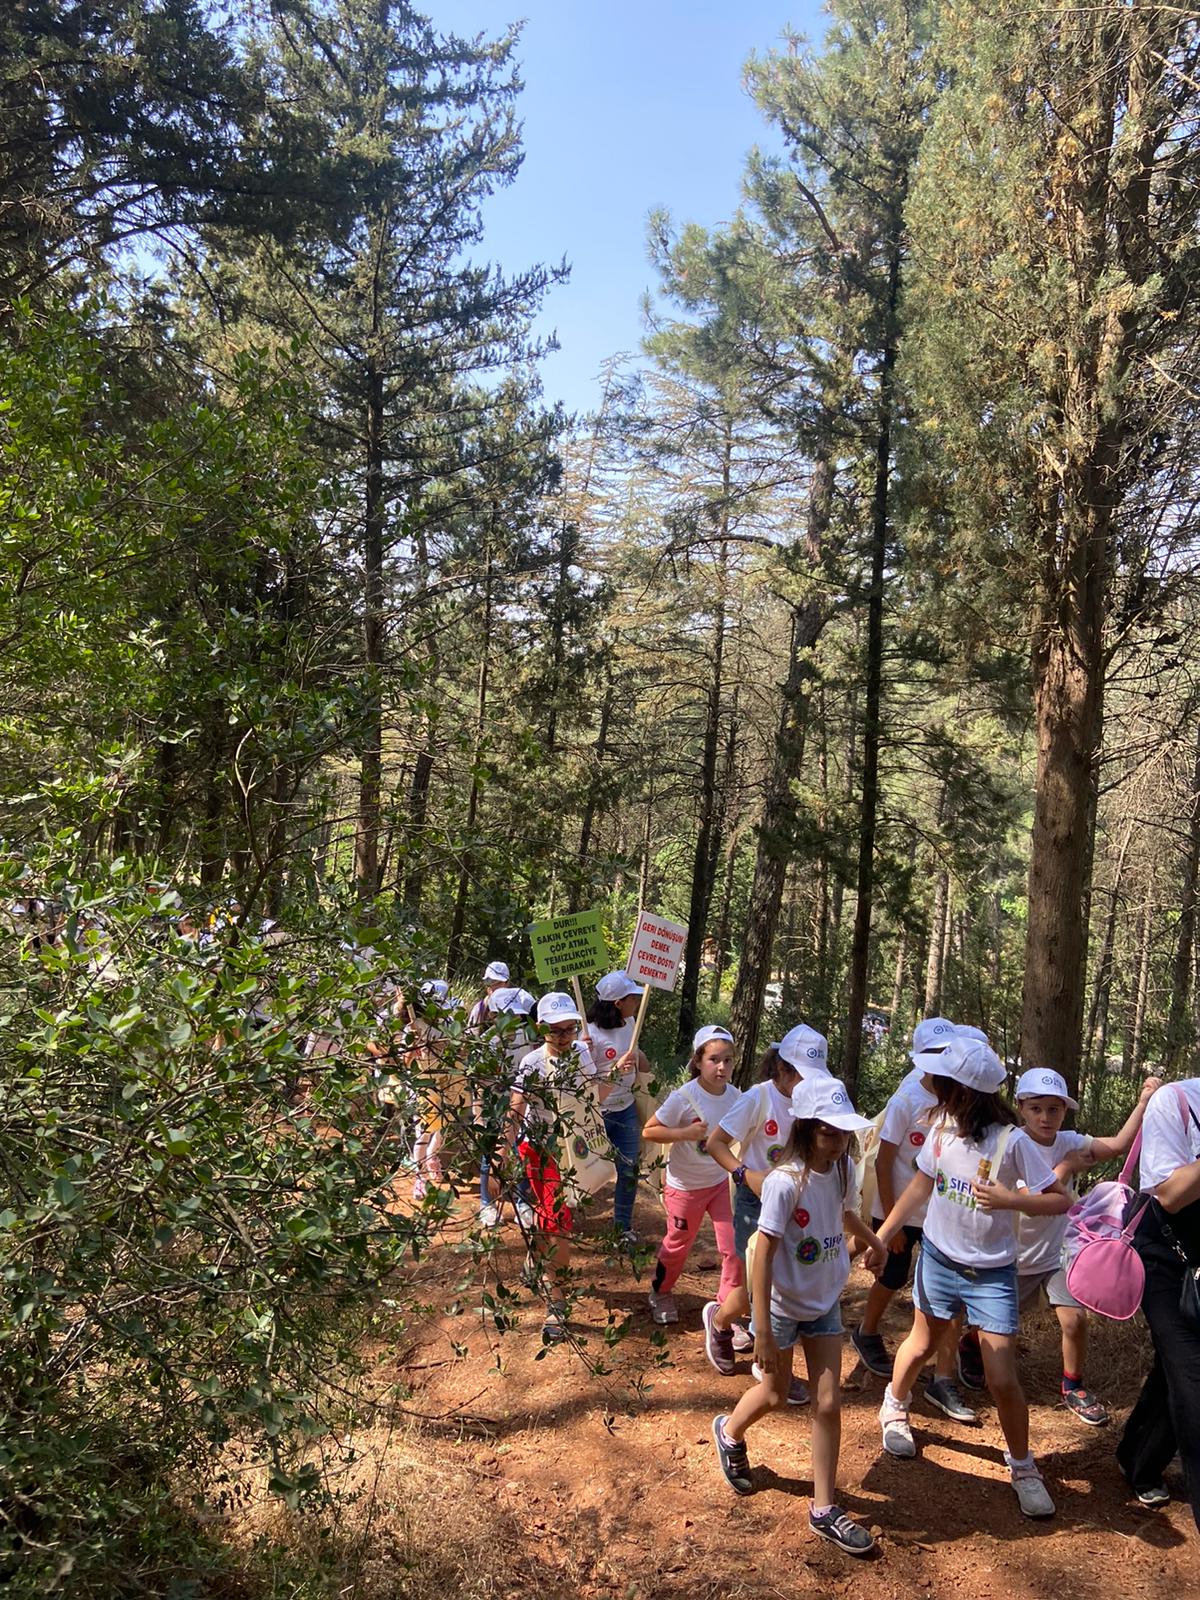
column 1166, row 1418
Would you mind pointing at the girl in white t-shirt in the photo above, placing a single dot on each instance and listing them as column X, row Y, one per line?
column 695, row 1186
column 968, row 1171
column 760, row 1123
column 800, row 1265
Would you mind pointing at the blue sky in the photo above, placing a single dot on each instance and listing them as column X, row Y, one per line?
column 627, row 106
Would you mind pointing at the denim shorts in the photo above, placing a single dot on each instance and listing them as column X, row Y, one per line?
column 988, row 1295
column 786, row 1331
column 747, row 1208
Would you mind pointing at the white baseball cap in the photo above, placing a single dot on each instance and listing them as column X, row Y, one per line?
column 616, row 986
column 823, row 1098
column 971, row 1063
column 709, row 1031
column 804, row 1048
column 519, row 1001
column 930, row 1038
column 436, row 989
column 496, row 972
column 557, row 1007
column 1041, row 1080
column 966, row 1031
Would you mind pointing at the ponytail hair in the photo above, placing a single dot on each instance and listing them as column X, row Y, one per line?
column 770, row 1064
column 972, row 1111
column 605, row 1014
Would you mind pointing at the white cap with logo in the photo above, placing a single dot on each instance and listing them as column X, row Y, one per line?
column 496, row 972
column 1042, row 1080
column 804, row 1048
column 968, row 1062
column 518, row 1001
column 707, row 1033
column 557, row 1007
column 930, row 1038
column 966, row 1031
column 825, row 1099
column 614, row 986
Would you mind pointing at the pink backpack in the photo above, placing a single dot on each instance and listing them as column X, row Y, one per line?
column 1104, row 1271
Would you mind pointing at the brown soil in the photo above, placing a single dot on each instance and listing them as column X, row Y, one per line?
column 550, row 1481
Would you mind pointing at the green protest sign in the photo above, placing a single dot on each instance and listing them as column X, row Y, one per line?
column 564, row 947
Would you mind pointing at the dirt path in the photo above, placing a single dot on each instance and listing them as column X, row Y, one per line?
column 597, row 1491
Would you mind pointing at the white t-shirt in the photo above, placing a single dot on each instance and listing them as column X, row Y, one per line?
column 762, row 1121
column 689, row 1166
column 954, row 1224
column 608, row 1046
column 1040, row 1239
column 811, row 1262
column 1167, row 1143
column 538, row 1076
column 905, row 1124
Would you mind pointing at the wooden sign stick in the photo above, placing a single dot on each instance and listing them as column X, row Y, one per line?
column 641, row 1016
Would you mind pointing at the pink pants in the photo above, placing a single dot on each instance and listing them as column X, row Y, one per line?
column 686, row 1210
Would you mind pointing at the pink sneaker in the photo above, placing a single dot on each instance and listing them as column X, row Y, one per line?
column 420, row 1187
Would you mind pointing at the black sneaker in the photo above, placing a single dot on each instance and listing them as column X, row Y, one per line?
column 735, row 1463
column 554, row 1329
column 1153, row 1496
column 842, row 1531
column 872, row 1352
column 970, row 1364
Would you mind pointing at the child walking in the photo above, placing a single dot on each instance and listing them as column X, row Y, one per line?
column 760, row 1122
column 967, row 1170
column 561, row 1062
column 800, row 1267
column 1043, row 1101
column 902, row 1134
column 695, row 1185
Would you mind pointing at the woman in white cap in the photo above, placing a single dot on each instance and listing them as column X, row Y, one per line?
column 610, row 1030
column 760, row 1124
column 967, row 1171
column 1166, row 1418
column 800, row 1265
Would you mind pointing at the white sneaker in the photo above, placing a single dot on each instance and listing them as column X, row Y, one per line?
column 1032, row 1494
column 525, row 1214
column 489, row 1216
column 897, row 1433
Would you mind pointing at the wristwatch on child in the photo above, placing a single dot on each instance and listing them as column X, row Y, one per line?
column 739, row 1176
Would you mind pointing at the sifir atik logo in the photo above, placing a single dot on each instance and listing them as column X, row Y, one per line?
column 774, row 1153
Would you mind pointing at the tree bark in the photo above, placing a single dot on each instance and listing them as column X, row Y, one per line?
column 774, row 845
column 860, row 946
column 1181, row 1037
column 370, row 779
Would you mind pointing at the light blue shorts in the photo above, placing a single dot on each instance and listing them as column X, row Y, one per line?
column 988, row 1295
column 786, row 1331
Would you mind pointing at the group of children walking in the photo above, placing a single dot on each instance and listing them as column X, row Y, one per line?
column 956, row 1181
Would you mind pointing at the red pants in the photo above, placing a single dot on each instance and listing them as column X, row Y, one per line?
column 551, row 1212
column 686, row 1210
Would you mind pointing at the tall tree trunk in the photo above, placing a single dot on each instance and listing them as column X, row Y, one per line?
column 466, row 869
column 898, row 980
column 588, row 820
column 774, row 846
column 702, row 859
column 937, row 943
column 1141, row 988
column 370, row 779
column 1181, row 1038
column 860, row 946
